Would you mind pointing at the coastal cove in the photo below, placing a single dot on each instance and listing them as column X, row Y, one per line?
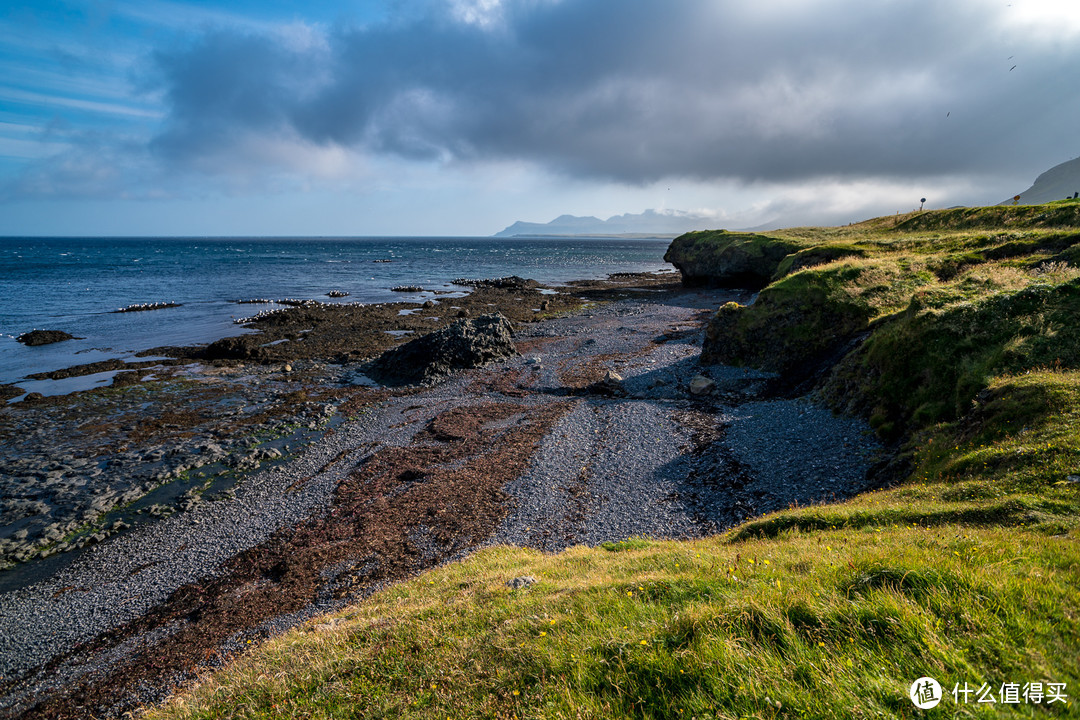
column 800, row 462
column 235, row 461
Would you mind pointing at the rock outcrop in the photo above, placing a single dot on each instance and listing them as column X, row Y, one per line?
column 241, row 347
column 725, row 259
column 44, row 337
column 430, row 359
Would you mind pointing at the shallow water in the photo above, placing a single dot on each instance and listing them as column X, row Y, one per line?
column 76, row 284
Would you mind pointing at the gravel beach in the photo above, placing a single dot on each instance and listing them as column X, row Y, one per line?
column 591, row 434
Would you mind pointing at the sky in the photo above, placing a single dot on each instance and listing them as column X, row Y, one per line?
column 459, row 117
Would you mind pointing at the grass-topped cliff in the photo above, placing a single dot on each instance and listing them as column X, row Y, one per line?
column 957, row 335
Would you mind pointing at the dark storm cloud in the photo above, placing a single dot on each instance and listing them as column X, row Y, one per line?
column 637, row 91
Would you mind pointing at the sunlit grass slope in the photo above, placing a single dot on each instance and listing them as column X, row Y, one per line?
column 963, row 350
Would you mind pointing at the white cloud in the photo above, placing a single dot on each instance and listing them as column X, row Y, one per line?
column 109, row 108
column 188, row 16
column 1046, row 19
column 484, row 13
column 748, row 111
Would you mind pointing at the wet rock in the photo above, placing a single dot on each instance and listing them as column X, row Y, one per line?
column 10, row 391
column 142, row 307
column 243, row 347
column 44, row 337
column 87, row 369
column 407, row 288
column 513, row 282
column 123, row 379
column 432, row 358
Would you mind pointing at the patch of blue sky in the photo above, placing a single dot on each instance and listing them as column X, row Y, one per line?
column 86, row 64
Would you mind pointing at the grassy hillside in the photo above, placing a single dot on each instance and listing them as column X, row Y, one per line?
column 959, row 338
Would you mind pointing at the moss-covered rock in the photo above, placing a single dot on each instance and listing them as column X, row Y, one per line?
column 794, row 324
column 726, row 259
column 930, row 363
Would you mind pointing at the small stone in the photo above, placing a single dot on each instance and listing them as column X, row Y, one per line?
column 610, row 385
column 701, row 385
column 521, row 582
column 287, row 368
column 1073, row 478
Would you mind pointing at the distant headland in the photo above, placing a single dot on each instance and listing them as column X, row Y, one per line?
column 651, row 223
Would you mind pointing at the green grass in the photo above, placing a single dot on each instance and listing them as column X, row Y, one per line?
column 960, row 295
column 928, row 364
column 827, row 623
column 804, row 316
column 966, row 569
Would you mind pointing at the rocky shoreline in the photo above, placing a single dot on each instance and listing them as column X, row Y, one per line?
column 301, row 487
column 165, row 433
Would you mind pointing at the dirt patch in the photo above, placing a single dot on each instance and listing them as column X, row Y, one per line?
column 525, row 347
column 511, row 383
column 580, row 375
column 704, row 427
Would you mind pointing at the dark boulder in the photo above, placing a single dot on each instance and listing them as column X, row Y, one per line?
column 242, row 347
column 44, row 337
column 432, row 358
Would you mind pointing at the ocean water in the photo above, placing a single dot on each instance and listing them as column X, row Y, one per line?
column 75, row 284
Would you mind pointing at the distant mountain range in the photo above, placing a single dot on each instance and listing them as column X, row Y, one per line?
column 1057, row 183
column 652, row 223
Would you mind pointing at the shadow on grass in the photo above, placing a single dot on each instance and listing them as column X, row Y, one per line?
column 1012, row 512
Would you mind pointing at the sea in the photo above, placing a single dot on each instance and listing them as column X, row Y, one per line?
column 77, row 284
